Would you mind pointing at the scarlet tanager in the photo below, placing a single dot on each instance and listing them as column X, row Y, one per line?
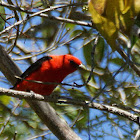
column 52, row 68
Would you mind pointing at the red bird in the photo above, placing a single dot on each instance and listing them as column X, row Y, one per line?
column 47, row 69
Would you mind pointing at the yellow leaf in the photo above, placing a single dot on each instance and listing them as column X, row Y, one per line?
column 105, row 26
column 127, row 6
column 111, row 16
column 127, row 16
column 137, row 6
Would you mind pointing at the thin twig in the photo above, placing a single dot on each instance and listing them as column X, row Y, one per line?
column 41, row 135
column 66, row 100
column 108, row 83
column 82, row 23
column 17, row 30
column 13, row 7
column 40, row 13
column 77, row 117
column 48, row 83
column 128, row 61
column 92, row 63
column 48, row 49
column 75, row 84
column 92, row 58
column 77, row 22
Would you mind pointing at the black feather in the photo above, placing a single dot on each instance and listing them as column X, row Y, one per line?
column 32, row 68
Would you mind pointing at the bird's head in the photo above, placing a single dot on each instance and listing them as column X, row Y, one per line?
column 72, row 62
column 68, row 63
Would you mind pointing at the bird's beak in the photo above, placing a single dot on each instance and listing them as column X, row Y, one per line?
column 82, row 67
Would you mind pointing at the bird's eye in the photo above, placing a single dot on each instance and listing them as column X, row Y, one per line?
column 73, row 63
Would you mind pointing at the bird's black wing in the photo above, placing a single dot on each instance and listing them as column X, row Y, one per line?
column 32, row 68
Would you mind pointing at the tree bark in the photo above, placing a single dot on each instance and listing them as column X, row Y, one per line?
column 45, row 112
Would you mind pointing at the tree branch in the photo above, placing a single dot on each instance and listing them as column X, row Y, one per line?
column 66, row 100
column 128, row 61
column 20, row 9
column 45, row 112
column 40, row 13
column 82, row 23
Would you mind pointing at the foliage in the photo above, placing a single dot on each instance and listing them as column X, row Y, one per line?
column 113, row 21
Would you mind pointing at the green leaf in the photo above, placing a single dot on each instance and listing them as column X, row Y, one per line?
column 77, row 94
column 100, row 48
column 117, row 61
column 99, row 51
column 2, row 17
column 82, row 120
column 132, row 93
column 87, row 49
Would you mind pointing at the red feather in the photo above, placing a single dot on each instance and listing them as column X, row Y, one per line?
column 47, row 69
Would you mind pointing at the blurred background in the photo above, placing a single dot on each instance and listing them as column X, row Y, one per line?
column 72, row 29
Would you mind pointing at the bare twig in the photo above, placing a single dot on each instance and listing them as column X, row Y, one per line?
column 108, row 83
column 92, row 58
column 13, row 7
column 66, row 100
column 48, row 83
column 92, row 64
column 48, row 49
column 41, row 135
column 128, row 61
column 46, row 16
column 77, row 117
column 40, row 13
column 82, row 23
column 17, row 30
column 45, row 112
